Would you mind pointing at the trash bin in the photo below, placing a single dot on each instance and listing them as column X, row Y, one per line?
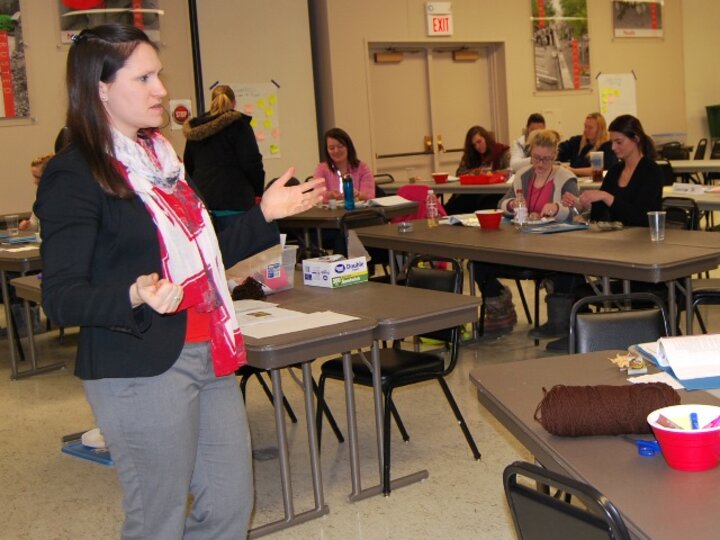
column 713, row 116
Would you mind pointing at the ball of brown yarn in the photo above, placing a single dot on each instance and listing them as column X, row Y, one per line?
column 574, row 411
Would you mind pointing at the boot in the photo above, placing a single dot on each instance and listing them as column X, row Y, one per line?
column 500, row 315
column 558, row 323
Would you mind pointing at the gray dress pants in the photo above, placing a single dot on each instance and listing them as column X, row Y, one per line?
column 181, row 433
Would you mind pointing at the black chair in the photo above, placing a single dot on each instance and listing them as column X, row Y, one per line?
column 383, row 178
column 714, row 154
column 674, row 150
column 668, row 175
column 624, row 320
column 400, row 367
column 538, row 515
column 247, row 371
column 700, row 149
column 681, row 213
column 705, row 292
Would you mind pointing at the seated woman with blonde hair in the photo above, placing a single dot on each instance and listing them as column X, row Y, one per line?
column 595, row 138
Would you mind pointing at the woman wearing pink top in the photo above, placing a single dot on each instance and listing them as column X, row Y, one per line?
column 341, row 159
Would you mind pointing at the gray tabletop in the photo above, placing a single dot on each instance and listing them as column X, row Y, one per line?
column 657, row 502
column 472, row 189
column 627, row 255
column 695, row 165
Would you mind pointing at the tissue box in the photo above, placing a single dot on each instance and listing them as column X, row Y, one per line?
column 279, row 274
column 334, row 271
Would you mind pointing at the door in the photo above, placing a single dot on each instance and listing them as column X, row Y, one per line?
column 423, row 102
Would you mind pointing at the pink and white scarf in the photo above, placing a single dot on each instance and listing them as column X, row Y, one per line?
column 188, row 246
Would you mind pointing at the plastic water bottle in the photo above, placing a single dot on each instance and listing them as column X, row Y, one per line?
column 521, row 211
column 348, row 192
column 431, row 209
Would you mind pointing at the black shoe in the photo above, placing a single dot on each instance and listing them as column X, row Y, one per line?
column 561, row 345
column 545, row 331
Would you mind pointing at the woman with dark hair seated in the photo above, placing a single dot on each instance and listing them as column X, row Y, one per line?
column 481, row 153
column 631, row 188
column 341, row 159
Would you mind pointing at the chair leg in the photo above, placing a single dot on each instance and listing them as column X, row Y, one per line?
column 536, row 308
column 268, row 393
column 399, row 422
column 386, row 442
column 323, row 408
column 320, row 396
column 459, row 417
column 701, row 322
column 524, row 301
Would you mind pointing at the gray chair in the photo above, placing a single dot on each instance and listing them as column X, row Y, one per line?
column 625, row 319
column 682, row 213
column 538, row 515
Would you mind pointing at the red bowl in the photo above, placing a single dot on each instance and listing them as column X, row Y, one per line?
column 440, row 177
column 489, row 219
column 688, row 449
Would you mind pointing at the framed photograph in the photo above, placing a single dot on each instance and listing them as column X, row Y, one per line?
column 76, row 15
column 561, row 44
column 639, row 18
column 13, row 75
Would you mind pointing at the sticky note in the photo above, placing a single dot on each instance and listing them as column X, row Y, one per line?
column 274, row 149
column 276, row 133
column 267, row 124
column 261, row 103
column 248, row 109
column 260, row 135
column 253, row 123
column 269, row 111
column 272, row 99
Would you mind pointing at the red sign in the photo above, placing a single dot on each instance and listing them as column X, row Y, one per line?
column 180, row 114
column 440, row 24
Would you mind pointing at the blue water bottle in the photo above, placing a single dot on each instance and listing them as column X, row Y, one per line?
column 348, row 192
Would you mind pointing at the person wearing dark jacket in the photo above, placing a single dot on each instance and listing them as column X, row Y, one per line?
column 159, row 342
column 222, row 157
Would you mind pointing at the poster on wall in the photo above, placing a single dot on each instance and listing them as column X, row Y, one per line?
column 13, row 75
column 639, row 18
column 616, row 92
column 261, row 102
column 561, row 44
column 76, row 15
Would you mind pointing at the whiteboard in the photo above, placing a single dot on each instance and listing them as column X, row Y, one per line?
column 261, row 101
column 616, row 92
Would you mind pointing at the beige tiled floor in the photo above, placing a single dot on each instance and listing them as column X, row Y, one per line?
column 47, row 495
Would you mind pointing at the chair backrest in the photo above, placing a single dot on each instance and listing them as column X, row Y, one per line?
column 675, row 150
column 668, row 175
column 700, row 149
column 541, row 516
column 355, row 219
column 438, row 274
column 622, row 324
column 418, row 194
column 386, row 178
column 682, row 213
column 715, row 149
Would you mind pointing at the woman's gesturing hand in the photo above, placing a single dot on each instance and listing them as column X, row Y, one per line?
column 280, row 201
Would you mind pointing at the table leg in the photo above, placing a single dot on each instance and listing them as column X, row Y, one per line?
column 393, row 271
column 285, row 479
column 672, row 308
column 689, row 315
column 8, row 323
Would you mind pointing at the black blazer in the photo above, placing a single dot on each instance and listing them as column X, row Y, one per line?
column 94, row 247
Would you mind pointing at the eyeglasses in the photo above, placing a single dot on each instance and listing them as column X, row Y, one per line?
column 541, row 159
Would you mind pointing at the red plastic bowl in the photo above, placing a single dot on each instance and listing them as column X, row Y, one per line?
column 688, row 449
column 489, row 219
column 440, row 177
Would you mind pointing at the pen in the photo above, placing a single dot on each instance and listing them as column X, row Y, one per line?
column 693, row 420
column 712, row 423
column 666, row 422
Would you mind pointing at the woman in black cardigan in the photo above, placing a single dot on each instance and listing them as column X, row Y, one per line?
column 130, row 256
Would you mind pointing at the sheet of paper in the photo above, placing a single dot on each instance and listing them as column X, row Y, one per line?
column 662, row 377
column 265, row 315
column 390, row 200
column 18, row 249
column 692, row 357
column 468, row 220
column 247, row 305
column 305, row 321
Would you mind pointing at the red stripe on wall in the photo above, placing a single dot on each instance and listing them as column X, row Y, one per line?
column 8, row 96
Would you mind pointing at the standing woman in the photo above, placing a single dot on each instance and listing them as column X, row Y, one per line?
column 341, row 159
column 223, row 159
column 159, row 342
column 576, row 150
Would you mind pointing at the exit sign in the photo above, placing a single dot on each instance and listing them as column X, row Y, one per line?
column 439, row 18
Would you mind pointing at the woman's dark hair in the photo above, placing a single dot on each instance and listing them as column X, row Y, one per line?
column 344, row 139
column 535, row 118
column 631, row 127
column 96, row 55
column 471, row 158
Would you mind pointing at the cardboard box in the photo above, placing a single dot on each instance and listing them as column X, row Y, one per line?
column 334, row 271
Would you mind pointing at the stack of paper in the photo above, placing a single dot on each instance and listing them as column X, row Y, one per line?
column 693, row 360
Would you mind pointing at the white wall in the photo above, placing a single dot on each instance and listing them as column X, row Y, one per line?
column 658, row 63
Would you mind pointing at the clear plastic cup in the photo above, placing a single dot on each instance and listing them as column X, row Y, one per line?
column 656, row 222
